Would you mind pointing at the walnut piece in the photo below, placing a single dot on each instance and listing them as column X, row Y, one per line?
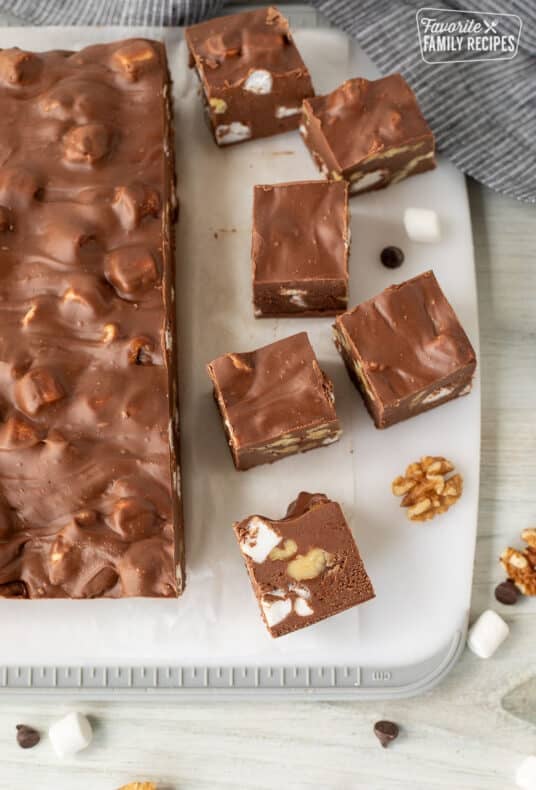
column 427, row 489
column 288, row 550
column 139, row 786
column 310, row 565
column 520, row 566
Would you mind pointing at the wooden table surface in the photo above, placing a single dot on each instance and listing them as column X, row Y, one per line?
column 470, row 733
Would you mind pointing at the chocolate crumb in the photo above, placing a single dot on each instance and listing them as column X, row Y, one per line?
column 507, row 593
column 392, row 257
column 27, row 737
column 385, row 732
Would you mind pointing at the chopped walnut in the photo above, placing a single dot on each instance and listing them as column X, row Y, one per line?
column 139, row 786
column 521, row 565
column 427, row 489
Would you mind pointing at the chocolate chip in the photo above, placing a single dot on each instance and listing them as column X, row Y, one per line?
column 507, row 593
column 27, row 737
column 392, row 257
column 385, row 732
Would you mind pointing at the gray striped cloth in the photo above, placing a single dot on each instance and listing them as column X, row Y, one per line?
column 483, row 113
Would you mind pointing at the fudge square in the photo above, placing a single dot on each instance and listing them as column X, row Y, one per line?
column 304, row 567
column 406, row 350
column 252, row 76
column 369, row 132
column 299, row 249
column 274, row 401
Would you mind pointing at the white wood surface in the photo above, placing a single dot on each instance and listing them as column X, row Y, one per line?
column 468, row 734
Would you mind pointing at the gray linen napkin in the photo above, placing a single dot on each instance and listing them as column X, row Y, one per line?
column 483, row 112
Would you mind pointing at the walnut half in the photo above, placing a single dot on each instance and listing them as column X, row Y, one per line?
column 520, row 566
column 427, row 489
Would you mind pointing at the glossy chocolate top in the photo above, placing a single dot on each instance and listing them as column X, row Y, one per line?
column 228, row 48
column 300, row 231
column 273, row 390
column 407, row 337
column 362, row 118
column 308, row 559
column 86, row 178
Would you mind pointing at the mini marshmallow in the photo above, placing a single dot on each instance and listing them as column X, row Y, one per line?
column 259, row 540
column 276, row 611
column 286, row 112
column 233, row 132
column 259, row 81
column 487, row 634
column 422, row 224
column 526, row 774
column 70, row 734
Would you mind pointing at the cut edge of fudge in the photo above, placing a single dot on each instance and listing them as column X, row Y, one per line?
column 305, row 295
column 383, row 162
column 319, row 428
column 245, row 63
column 448, row 385
column 295, row 563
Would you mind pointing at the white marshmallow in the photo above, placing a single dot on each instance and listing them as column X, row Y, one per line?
column 422, row 224
column 70, row 734
column 487, row 634
column 295, row 296
column 259, row 81
column 285, row 112
column 302, row 608
column 438, row 394
column 276, row 611
column 526, row 774
column 234, row 132
column 367, row 180
column 259, row 540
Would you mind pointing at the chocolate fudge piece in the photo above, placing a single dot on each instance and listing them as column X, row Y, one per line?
column 405, row 350
column 304, row 567
column 369, row 132
column 252, row 76
column 300, row 249
column 274, row 402
column 89, row 494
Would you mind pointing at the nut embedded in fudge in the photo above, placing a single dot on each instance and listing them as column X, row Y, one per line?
column 274, row 402
column 252, row 76
column 299, row 249
column 406, row 350
column 304, row 567
column 369, row 132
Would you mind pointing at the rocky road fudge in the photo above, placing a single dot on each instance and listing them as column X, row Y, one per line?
column 304, row 567
column 300, row 249
column 274, row 401
column 405, row 350
column 369, row 132
column 252, row 76
column 89, row 493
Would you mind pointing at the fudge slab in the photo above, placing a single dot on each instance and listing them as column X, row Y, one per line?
column 369, row 132
column 274, row 402
column 299, row 249
column 406, row 350
column 304, row 567
column 252, row 76
column 89, row 499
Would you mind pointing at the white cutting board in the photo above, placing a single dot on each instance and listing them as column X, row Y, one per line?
column 421, row 572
